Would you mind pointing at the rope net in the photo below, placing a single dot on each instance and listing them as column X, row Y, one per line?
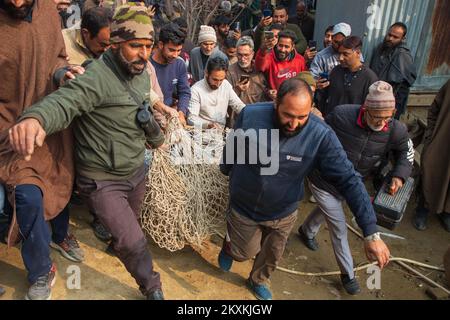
column 187, row 195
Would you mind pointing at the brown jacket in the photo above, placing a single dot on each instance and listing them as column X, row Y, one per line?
column 435, row 159
column 258, row 84
column 30, row 54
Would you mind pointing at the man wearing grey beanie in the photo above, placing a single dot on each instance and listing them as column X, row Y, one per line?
column 207, row 41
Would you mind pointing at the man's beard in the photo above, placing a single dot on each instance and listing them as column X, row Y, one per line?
column 387, row 45
column 129, row 66
column 167, row 60
column 376, row 129
column 284, row 127
column 205, row 53
column 212, row 87
column 18, row 13
column 281, row 56
column 245, row 66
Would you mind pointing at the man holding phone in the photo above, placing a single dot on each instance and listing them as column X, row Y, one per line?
column 249, row 84
column 279, row 61
column 310, row 52
column 280, row 16
column 326, row 60
column 222, row 26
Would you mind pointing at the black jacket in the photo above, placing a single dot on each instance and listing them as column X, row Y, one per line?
column 395, row 65
column 366, row 148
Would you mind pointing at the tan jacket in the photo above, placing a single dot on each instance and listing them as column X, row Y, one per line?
column 75, row 48
column 79, row 53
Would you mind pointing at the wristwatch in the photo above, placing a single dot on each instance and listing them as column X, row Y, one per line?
column 373, row 237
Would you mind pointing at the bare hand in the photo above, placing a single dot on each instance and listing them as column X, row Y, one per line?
column 273, row 94
column 322, row 83
column 396, row 184
column 265, row 21
column 25, row 135
column 236, row 34
column 377, row 250
column 214, row 125
column 72, row 72
column 182, row 118
column 309, row 54
column 160, row 118
column 269, row 43
column 164, row 147
column 152, row 12
column 171, row 112
column 166, row 110
column 243, row 86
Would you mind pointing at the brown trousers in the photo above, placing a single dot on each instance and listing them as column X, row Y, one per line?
column 266, row 240
column 117, row 205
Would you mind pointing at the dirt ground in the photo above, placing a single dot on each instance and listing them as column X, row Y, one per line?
column 193, row 274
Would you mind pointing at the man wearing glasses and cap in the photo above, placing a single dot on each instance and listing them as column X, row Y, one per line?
column 367, row 133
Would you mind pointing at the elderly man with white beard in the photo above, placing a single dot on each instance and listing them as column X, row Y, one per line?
column 248, row 83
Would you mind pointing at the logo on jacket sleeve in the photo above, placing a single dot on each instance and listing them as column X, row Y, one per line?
column 292, row 158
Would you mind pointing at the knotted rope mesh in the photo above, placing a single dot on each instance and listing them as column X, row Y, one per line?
column 187, row 195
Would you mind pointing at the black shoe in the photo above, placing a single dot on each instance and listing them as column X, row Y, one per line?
column 444, row 217
column 420, row 222
column 311, row 244
column 155, row 295
column 351, row 286
column 110, row 250
column 100, row 231
column 75, row 199
column 420, row 219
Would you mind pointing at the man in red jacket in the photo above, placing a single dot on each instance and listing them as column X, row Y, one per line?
column 279, row 60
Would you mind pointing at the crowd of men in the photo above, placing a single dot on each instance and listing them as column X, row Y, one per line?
column 84, row 106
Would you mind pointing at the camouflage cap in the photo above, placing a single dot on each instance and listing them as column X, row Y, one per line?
column 307, row 77
column 131, row 21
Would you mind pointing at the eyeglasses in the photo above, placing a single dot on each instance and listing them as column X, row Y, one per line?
column 248, row 55
column 375, row 118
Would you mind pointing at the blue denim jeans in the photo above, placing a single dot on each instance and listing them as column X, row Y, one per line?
column 35, row 231
column 2, row 198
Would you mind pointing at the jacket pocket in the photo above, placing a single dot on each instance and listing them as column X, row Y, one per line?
column 119, row 157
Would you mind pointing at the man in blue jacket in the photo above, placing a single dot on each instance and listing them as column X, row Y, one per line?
column 264, row 200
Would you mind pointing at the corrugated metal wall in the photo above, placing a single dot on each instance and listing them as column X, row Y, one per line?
column 371, row 19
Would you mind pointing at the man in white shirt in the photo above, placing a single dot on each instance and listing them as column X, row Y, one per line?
column 211, row 97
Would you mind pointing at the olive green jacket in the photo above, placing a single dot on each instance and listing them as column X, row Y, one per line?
column 109, row 143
